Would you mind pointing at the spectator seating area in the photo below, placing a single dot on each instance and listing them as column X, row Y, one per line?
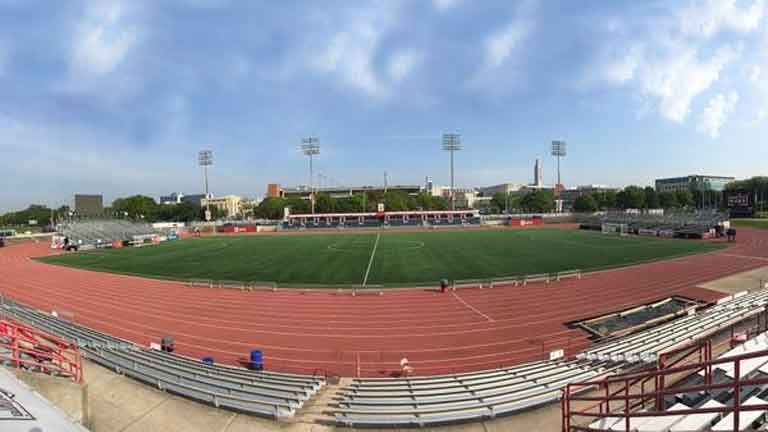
column 262, row 393
column 414, row 401
column 754, row 369
column 462, row 397
column 645, row 346
column 104, row 231
column 680, row 225
column 373, row 220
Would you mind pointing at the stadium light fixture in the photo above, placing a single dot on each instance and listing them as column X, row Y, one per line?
column 205, row 159
column 558, row 151
column 451, row 144
column 311, row 147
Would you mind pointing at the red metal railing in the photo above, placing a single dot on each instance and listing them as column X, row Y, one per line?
column 628, row 401
column 26, row 347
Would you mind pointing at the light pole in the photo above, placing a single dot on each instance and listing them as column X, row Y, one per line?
column 558, row 151
column 452, row 143
column 205, row 159
column 310, row 147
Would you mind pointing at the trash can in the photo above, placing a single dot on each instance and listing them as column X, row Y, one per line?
column 257, row 360
column 208, row 361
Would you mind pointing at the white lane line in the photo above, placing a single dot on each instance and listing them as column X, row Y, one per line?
column 370, row 261
column 472, row 308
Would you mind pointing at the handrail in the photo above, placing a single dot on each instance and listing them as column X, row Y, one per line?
column 629, row 401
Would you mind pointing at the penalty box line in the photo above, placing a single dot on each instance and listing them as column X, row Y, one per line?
column 370, row 261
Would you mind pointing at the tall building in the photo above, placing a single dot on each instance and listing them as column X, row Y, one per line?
column 274, row 190
column 693, row 183
column 538, row 173
column 229, row 204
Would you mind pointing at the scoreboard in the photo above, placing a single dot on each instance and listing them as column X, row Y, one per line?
column 741, row 203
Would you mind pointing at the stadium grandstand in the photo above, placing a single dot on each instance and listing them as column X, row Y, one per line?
column 697, row 225
column 102, row 232
column 382, row 218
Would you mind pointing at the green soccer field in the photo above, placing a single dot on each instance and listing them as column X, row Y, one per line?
column 389, row 258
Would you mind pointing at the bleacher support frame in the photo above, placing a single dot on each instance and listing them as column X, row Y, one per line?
column 666, row 371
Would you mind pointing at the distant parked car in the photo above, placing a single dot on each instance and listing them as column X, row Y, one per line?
column 2, row 242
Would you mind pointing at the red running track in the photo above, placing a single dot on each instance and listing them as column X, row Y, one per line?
column 311, row 331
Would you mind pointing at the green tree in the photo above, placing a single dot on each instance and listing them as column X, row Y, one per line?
column 651, row 198
column 324, row 203
column 585, row 204
column 499, row 202
column 632, row 197
column 539, row 201
column 137, row 207
column 272, row 208
column 668, row 200
column 684, row 198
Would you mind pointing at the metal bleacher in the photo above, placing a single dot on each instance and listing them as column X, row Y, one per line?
column 103, row 231
column 646, row 345
column 263, row 393
column 692, row 397
column 462, row 397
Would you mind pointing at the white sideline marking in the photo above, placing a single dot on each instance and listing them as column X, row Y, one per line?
column 370, row 261
column 472, row 308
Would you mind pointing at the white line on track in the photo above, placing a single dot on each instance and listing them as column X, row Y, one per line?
column 370, row 261
column 472, row 308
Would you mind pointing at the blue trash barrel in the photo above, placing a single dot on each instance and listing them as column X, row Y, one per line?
column 257, row 360
column 208, row 360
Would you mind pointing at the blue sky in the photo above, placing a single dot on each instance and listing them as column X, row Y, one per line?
column 117, row 97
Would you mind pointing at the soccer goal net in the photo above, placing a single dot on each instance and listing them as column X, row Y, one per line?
column 615, row 228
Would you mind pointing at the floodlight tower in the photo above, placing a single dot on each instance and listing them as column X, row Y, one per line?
column 452, row 143
column 205, row 159
column 558, row 151
column 311, row 147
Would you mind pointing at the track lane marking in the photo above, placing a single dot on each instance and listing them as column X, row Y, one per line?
column 370, row 261
column 472, row 308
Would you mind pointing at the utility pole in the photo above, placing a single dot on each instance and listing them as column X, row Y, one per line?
column 311, row 147
column 451, row 144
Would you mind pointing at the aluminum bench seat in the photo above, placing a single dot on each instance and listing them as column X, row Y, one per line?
column 662, row 423
column 276, row 394
column 521, row 380
column 746, row 418
column 192, row 392
column 314, row 381
column 449, row 381
column 443, row 379
column 697, row 422
column 470, row 393
column 231, row 374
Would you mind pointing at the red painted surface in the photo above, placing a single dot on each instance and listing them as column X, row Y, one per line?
column 306, row 331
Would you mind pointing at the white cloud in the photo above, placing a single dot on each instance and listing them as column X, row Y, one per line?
column 444, row 5
column 102, row 40
column 716, row 113
column 677, row 77
column 402, row 64
column 350, row 52
column 709, row 17
column 621, row 70
column 500, row 45
column 754, row 73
